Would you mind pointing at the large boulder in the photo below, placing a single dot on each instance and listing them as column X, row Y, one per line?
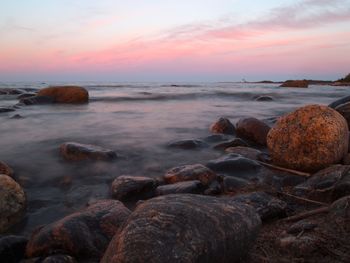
column 185, row 228
column 66, row 94
column 309, row 139
column 252, row 129
column 295, row 84
column 189, row 173
column 223, row 125
column 73, row 151
column 5, row 169
column 84, row 234
column 12, row 202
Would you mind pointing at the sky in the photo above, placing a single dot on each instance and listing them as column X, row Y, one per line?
column 173, row 40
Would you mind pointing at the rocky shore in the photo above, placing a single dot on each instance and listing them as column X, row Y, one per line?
column 277, row 192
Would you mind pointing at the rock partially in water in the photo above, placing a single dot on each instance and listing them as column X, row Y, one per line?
column 189, row 144
column 6, row 109
column 252, row 129
column 11, row 91
column 246, row 152
column 339, row 102
column 34, row 100
column 5, row 169
column 12, row 202
column 234, row 143
column 185, row 228
column 133, row 187
column 217, row 138
column 26, row 95
column 232, row 184
column 17, row 117
column 223, row 125
column 295, row 84
column 66, row 94
column 344, row 110
column 309, row 139
column 73, row 151
column 84, row 235
column 187, row 187
column 190, row 173
column 12, row 248
column 263, row 98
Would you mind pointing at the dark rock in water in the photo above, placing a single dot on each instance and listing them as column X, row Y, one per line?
column 301, row 226
column 5, row 169
column 232, row 184
column 264, row 98
column 246, row 152
column 339, row 102
column 234, row 143
column 190, row 173
column 12, row 202
column 224, row 126
column 214, row 188
column 84, row 234
column 326, row 185
column 25, row 95
column 17, row 116
column 73, row 151
column 252, row 129
column 295, row 84
column 6, row 109
column 340, row 209
column 187, row 187
column 12, row 248
column 133, row 187
column 267, row 206
column 185, row 228
column 188, row 144
column 66, row 94
column 235, row 165
column 37, row 100
column 344, row 110
column 217, row 138
column 10, row 91
column 280, row 180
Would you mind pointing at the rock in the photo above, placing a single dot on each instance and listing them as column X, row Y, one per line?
column 84, row 235
column 340, row 209
column 309, row 139
column 5, row 169
column 12, row 248
column 214, row 188
column 224, row 126
column 341, row 101
column 185, row 228
column 12, row 202
column 299, row 246
column 37, row 100
column 267, row 206
column 187, row 187
column 66, row 94
column 246, row 152
column 26, row 95
column 344, row 110
column 17, row 117
column 252, row 129
column 234, row 143
column 232, row 184
column 133, row 187
column 57, row 258
column 190, row 173
column 326, row 185
column 188, row 144
column 263, row 98
column 301, row 226
column 295, row 84
column 6, row 109
column 217, row 138
column 73, row 151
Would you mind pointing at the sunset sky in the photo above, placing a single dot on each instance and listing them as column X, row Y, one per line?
column 174, row 40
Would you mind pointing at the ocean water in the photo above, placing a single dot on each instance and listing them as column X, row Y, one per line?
column 137, row 120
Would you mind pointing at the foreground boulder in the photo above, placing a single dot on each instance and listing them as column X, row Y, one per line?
column 295, row 84
column 133, row 187
column 12, row 248
column 309, row 139
column 252, row 129
column 5, row 169
column 84, row 234
column 224, row 126
column 66, row 94
column 185, row 228
column 12, row 202
column 189, row 173
column 73, row 151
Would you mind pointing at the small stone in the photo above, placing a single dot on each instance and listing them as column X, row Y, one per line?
column 190, row 173
column 252, row 129
column 73, row 151
column 224, row 126
column 187, row 187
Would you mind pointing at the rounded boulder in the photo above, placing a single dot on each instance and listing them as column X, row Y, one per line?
column 66, row 94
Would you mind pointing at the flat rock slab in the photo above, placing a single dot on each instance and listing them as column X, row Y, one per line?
column 189, row 173
column 73, row 151
column 185, row 228
column 133, row 187
column 189, row 144
column 188, row 187
column 83, row 235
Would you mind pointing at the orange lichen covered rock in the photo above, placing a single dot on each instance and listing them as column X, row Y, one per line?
column 66, row 94
column 309, row 139
column 295, row 84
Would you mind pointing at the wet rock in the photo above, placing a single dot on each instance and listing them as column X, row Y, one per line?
column 37, row 100
column 66, row 94
column 187, row 187
column 326, row 185
column 84, row 234
column 252, row 129
column 6, row 109
column 17, row 117
column 235, row 165
column 309, row 139
column 10, row 91
column 232, row 184
column 133, row 187
column 12, row 248
column 190, row 173
column 341, row 101
column 188, row 144
column 224, row 126
column 26, row 95
column 12, row 202
column 295, row 84
column 246, row 152
column 234, row 143
column 301, row 226
column 281, row 180
column 344, row 110
column 340, row 209
column 73, row 151
column 217, row 138
column 185, row 228
column 264, row 98
column 5, row 169
column 267, row 206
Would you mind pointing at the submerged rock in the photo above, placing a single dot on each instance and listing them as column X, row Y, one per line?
column 263, row 98
column 25, row 95
column 133, row 187
column 73, row 151
column 84, row 234
column 309, row 139
column 185, row 228
column 295, row 84
column 66, row 94
column 12, row 248
column 5, row 169
column 37, row 100
column 12, row 202
column 6, row 109
column 234, row 143
column 187, row 187
column 189, row 173
column 252, row 129
column 217, row 138
column 188, row 144
column 232, row 184
column 224, row 126
column 246, row 152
